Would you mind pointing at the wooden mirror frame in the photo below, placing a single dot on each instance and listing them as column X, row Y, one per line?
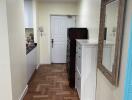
column 113, row 76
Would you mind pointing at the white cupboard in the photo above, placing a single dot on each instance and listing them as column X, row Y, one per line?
column 86, row 63
column 31, row 62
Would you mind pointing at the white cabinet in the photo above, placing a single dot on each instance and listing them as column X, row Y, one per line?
column 31, row 62
column 28, row 13
column 86, row 63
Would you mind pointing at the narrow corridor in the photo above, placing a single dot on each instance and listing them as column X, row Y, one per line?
column 50, row 83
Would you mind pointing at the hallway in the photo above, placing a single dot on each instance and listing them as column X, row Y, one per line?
column 50, row 83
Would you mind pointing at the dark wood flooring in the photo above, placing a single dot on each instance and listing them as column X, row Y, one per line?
column 50, row 83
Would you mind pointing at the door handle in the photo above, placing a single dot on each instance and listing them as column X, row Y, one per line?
column 52, row 41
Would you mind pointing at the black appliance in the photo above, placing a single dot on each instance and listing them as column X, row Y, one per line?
column 73, row 34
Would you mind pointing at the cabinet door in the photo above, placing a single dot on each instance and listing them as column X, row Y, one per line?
column 31, row 62
column 78, row 57
column 89, row 65
column 78, row 83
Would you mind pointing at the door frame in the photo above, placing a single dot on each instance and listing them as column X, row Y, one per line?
column 51, row 33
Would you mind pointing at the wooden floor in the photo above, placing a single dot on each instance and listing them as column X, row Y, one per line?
column 51, row 83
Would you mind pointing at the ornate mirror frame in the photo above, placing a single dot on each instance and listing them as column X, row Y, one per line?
column 113, row 76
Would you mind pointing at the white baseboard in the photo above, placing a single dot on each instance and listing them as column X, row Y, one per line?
column 24, row 92
column 37, row 66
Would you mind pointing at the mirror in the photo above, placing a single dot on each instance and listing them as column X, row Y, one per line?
column 110, row 38
column 111, row 19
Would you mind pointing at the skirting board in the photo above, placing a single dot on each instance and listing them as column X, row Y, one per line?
column 24, row 93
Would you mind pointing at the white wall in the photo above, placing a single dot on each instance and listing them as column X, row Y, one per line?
column 89, row 16
column 5, row 74
column 15, row 20
column 30, row 16
column 28, row 13
column 35, row 26
column 34, row 2
column 45, row 9
column 105, row 91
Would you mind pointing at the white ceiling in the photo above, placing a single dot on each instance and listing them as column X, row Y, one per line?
column 59, row 0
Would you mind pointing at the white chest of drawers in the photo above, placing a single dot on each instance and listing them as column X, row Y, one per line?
column 86, row 63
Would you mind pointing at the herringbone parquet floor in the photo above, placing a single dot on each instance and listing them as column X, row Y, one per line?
column 51, row 83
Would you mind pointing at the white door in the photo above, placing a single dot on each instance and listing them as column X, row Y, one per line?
column 59, row 25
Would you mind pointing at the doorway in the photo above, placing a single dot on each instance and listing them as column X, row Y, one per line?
column 59, row 26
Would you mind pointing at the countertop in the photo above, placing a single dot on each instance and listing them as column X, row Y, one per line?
column 109, row 43
column 30, row 48
column 86, row 42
